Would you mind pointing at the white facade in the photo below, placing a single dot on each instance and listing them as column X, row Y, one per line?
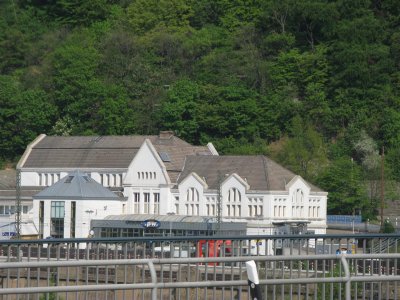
column 85, row 211
column 147, row 187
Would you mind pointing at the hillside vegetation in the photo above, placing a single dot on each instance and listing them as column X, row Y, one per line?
column 313, row 84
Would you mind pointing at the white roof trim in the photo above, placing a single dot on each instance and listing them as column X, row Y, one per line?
column 240, row 179
column 29, row 149
column 296, row 178
column 212, row 149
column 198, row 178
column 158, row 159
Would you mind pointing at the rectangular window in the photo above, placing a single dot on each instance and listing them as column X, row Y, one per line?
column 146, row 202
column 41, row 218
column 177, row 208
column 73, row 218
column 156, row 203
column 57, row 219
column 1, row 209
column 136, row 203
column 57, row 209
column 24, row 209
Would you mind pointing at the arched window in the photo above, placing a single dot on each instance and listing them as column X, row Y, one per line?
column 234, row 195
column 298, row 196
column 192, row 195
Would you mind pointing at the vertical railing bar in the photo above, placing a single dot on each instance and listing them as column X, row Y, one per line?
column 214, row 269
column 87, row 269
column 28, row 279
column 19, row 258
column 299, row 263
column 395, row 272
column 56, row 275
column 283, row 276
column 135, row 267
column 387, row 273
column 222, row 254
column 308, row 269
column 125, row 269
column 371, row 290
column 291, row 268
column 77, row 269
column 232, row 270
column 346, row 269
column 205, row 269
column 188, row 290
column 116, row 268
column 38, row 271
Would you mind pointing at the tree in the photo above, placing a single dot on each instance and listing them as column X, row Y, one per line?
column 305, row 152
column 145, row 15
column 179, row 110
column 23, row 116
column 343, row 182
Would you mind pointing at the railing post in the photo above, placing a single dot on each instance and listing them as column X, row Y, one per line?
column 153, row 275
column 347, row 276
column 253, row 280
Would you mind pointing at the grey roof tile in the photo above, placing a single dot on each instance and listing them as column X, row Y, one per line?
column 260, row 172
column 86, row 152
column 77, row 185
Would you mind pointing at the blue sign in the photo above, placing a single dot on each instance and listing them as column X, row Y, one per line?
column 151, row 224
column 6, row 233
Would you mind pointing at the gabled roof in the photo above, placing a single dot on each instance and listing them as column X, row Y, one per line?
column 108, row 152
column 260, row 172
column 77, row 186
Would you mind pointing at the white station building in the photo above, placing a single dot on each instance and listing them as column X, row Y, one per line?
column 160, row 176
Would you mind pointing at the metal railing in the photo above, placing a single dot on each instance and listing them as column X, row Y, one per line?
column 290, row 267
column 299, row 277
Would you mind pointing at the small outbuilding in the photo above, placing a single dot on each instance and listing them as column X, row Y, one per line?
column 65, row 209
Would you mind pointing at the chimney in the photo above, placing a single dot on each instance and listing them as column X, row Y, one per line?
column 166, row 135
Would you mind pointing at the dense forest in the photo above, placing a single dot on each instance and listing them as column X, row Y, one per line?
column 314, row 84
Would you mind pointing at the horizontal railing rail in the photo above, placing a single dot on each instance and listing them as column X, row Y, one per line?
column 307, row 282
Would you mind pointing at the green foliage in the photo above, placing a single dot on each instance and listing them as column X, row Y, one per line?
column 179, row 110
column 388, row 227
column 305, row 152
column 23, row 116
column 145, row 15
column 343, row 178
column 301, row 80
